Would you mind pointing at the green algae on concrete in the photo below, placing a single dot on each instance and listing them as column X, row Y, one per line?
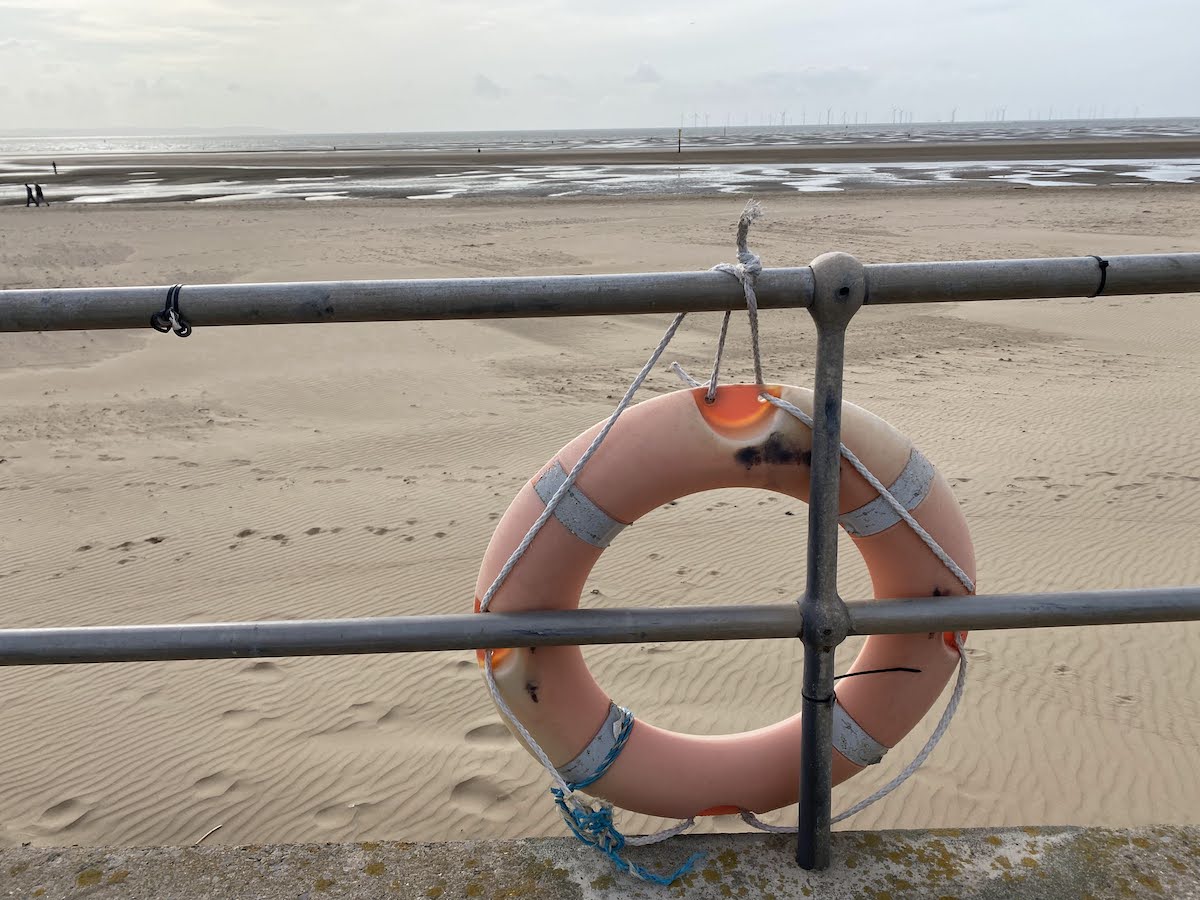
column 982, row 864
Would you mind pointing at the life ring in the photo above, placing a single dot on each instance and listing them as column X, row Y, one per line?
column 679, row 444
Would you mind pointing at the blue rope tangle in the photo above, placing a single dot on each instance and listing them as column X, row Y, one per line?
column 615, row 751
column 595, row 828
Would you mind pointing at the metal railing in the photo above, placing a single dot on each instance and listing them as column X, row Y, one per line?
column 832, row 289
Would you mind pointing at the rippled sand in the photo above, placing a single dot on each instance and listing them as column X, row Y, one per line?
column 356, row 470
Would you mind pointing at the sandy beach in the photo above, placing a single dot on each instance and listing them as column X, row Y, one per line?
column 285, row 472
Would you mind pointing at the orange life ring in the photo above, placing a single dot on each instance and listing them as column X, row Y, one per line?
column 679, row 444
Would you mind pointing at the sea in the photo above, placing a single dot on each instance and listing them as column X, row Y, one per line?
column 105, row 169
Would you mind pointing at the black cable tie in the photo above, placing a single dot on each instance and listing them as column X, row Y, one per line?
column 1103, row 263
column 169, row 317
column 877, row 672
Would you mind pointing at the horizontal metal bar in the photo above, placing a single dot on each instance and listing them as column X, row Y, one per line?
column 396, row 634
column 400, row 634
column 1025, row 279
column 987, row 612
column 206, row 305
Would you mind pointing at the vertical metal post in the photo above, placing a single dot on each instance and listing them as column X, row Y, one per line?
column 840, row 290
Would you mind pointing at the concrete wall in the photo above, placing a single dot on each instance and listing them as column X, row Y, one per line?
column 965, row 865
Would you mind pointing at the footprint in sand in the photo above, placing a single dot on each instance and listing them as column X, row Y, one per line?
column 264, row 671
column 339, row 815
column 62, row 816
column 246, row 718
column 215, row 785
column 478, row 796
column 493, row 734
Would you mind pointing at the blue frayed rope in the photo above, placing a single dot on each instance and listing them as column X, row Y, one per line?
column 595, row 828
column 615, row 751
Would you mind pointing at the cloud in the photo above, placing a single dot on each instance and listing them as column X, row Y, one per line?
column 558, row 84
column 487, row 89
column 19, row 45
column 645, row 74
column 575, row 63
column 812, row 79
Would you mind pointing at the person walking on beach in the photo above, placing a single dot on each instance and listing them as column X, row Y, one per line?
column 53, row 163
column 41, row 198
column 29, row 201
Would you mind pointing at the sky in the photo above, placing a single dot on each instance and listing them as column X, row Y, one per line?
column 397, row 65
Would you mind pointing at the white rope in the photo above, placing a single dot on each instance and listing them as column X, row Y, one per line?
column 755, row 822
column 685, row 377
column 659, row 836
column 866, row 473
column 578, row 467
column 569, row 795
column 919, row 760
column 507, row 712
column 891, row 501
column 959, row 686
column 747, row 270
column 712, row 381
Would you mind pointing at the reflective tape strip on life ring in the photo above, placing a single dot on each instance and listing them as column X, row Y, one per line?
column 679, row 444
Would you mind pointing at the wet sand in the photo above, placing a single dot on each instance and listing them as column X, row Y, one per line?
column 407, row 174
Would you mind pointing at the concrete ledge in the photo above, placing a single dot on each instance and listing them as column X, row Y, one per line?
column 974, row 864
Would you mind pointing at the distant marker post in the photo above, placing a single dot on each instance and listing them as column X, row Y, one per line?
column 679, row 139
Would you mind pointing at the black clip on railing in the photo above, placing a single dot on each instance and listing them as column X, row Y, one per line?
column 169, row 318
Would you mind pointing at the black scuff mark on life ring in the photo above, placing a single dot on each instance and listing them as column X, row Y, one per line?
column 776, row 450
column 531, row 688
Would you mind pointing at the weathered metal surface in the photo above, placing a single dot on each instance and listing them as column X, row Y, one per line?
column 840, row 286
column 401, row 634
column 208, row 305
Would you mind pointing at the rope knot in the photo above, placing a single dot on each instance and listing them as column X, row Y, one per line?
column 595, row 827
column 590, row 824
column 746, row 270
